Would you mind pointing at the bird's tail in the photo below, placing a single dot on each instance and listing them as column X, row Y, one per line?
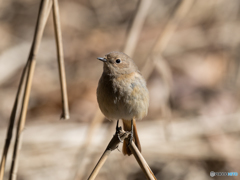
column 127, row 126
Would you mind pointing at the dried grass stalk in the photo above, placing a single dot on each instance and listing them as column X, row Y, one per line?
column 141, row 161
column 136, row 26
column 113, row 144
column 11, row 123
column 83, row 151
column 42, row 17
column 62, row 76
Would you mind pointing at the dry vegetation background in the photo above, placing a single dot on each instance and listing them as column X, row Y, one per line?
column 193, row 123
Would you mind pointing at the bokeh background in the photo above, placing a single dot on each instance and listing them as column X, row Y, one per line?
column 188, row 50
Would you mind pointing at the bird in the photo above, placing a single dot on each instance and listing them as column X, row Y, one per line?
column 122, row 94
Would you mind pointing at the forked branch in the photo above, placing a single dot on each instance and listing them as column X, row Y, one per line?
column 113, row 144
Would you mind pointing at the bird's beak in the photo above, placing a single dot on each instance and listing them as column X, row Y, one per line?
column 102, row 59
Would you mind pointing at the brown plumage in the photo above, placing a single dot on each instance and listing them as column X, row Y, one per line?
column 122, row 93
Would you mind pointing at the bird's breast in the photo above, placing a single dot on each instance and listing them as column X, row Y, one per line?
column 123, row 97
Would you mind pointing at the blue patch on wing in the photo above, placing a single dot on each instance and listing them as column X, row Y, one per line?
column 133, row 85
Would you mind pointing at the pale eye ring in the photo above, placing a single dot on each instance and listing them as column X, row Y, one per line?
column 118, row 61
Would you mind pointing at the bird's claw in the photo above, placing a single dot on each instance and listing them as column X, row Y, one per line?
column 131, row 135
column 119, row 138
column 118, row 129
column 131, row 138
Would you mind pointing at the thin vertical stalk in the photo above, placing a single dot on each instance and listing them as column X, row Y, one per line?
column 59, row 44
column 11, row 123
column 166, row 34
column 41, row 22
column 136, row 26
column 21, row 122
column 172, row 25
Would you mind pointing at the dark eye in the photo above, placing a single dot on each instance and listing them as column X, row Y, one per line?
column 118, row 61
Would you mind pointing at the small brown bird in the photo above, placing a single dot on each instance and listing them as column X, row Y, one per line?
column 122, row 93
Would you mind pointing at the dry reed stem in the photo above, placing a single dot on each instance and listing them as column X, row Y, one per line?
column 21, row 122
column 62, row 76
column 42, row 17
column 141, row 161
column 96, row 122
column 147, row 68
column 156, row 54
column 11, row 123
column 99, row 164
column 113, row 144
column 136, row 26
column 166, row 75
column 111, row 128
column 167, row 32
column 171, row 26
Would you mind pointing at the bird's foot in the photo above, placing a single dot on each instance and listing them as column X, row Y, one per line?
column 130, row 138
column 118, row 129
column 131, row 135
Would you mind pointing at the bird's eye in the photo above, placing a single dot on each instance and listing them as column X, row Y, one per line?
column 118, row 61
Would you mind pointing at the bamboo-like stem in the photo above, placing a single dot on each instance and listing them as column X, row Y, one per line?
column 141, row 161
column 99, row 164
column 62, row 76
column 11, row 123
column 171, row 26
column 83, row 151
column 166, row 34
column 136, row 26
column 113, row 144
column 21, row 122
column 41, row 21
column 155, row 59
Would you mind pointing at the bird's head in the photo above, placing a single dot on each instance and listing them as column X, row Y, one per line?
column 117, row 63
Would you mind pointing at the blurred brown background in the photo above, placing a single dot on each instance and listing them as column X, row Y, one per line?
column 193, row 123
